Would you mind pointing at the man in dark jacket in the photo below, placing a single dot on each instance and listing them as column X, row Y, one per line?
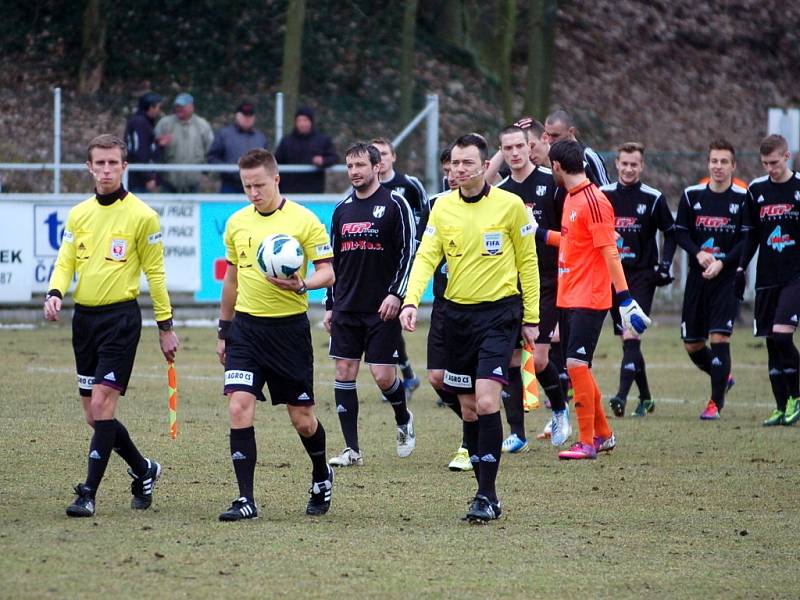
column 141, row 142
column 232, row 142
column 305, row 145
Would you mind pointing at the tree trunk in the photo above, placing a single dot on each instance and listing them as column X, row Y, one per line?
column 292, row 48
column 93, row 48
column 541, row 42
column 509, row 29
column 450, row 25
column 407, row 61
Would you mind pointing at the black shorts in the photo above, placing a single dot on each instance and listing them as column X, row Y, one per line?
column 355, row 333
column 548, row 313
column 779, row 305
column 436, row 357
column 709, row 306
column 480, row 340
column 642, row 286
column 585, row 326
column 104, row 339
column 276, row 351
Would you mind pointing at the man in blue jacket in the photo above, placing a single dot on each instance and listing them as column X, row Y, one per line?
column 232, row 142
column 141, row 142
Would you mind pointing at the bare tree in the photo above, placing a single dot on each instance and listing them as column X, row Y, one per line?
column 292, row 49
column 509, row 30
column 407, row 60
column 93, row 48
column 541, row 42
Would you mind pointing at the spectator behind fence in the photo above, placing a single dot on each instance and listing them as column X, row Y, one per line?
column 305, row 146
column 231, row 142
column 184, row 138
column 140, row 138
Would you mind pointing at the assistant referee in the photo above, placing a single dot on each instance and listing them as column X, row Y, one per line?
column 488, row 242
column 109, row 240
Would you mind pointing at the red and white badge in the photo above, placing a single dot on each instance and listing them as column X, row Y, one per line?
column 119, row 249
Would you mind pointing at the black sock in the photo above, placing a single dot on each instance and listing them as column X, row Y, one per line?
column 566, row 384
column 776, row 377
column 396, row 396
column 702, row 358
column 402, row 360
column 346, row 397
column 490, row 442
column 100, row 448
column 450, row 401
column 512, row 401
column 790, row 361
column 470, row 442
column 124, row 446
column 641, row 379
column 556, row 357
column 631, row 354
column 550, row 383
column 244, row 455
column 720, row 369
column 315, row 446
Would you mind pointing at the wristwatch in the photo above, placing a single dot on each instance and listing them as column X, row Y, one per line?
column 303, row 288
column 165, row 325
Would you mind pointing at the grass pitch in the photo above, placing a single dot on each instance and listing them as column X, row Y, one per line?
column 682, row 508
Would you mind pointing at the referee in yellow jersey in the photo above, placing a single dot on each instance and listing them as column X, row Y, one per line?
column 486, row 238
column 264, row 334
column 109, row 240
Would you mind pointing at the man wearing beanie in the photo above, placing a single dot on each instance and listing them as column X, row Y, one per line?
column 305, row 146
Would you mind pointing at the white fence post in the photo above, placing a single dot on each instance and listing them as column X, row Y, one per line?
column 57, row 140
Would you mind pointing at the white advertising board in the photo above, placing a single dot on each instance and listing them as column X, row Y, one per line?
column 179, row 225
column 16, row 252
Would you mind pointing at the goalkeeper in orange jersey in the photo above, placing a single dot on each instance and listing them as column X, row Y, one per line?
column 588, row 263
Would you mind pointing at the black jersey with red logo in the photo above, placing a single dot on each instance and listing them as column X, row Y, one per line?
column 540, row 192
column 773, row 217
column 712, row 222
column 639, row 212
column 373, row 244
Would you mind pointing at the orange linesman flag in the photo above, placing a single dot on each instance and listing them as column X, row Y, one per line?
column 530, row 388
column 172, row 399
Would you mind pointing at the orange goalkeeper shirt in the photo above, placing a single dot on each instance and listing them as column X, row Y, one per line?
column 587, row 224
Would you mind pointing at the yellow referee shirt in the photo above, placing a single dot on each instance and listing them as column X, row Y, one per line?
column 245, row 230
column 108, row 247
column 488, row 245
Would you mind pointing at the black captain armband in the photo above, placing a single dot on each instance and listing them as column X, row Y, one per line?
column 222, row 328
column 164, row 325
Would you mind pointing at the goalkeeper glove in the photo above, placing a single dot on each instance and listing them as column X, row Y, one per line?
column 632, row 315
column 662, row 274
column 739, row 284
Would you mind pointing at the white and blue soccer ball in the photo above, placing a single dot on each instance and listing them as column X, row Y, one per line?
column 280, row 255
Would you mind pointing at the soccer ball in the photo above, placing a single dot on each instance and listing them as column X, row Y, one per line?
column 280, row 255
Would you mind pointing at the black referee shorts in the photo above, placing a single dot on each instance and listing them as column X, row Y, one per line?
column 779, row 305
column 642, row 286
column 436, row 352
column 479, row 341
column 709, row 306
column 104, row 340
column 356, row 333
column 276, row 351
